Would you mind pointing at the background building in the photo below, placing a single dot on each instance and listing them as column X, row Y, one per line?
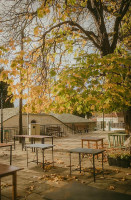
column 38, row 123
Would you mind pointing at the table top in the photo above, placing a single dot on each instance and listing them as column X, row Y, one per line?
column 5, row 145
column 33, row 136
column 86, row 150
column 92, row 138
column 117, row 134
column 41, row 136
column 41, row 146
column 8, row 169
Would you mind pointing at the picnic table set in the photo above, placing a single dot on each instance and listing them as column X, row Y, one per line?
column 6, row 170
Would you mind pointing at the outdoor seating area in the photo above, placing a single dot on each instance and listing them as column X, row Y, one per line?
column 6, row 170
column 92, row 139
column 87, row 151
column 43, row 147
column 65, row 100
column 3, row 145
column 54, row 131
column 32, row 138
column 60, row 160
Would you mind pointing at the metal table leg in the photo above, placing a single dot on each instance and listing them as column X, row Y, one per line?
column 53, row 156
column 42, row 141
column 82, row 143
column 32, row 142
column 23, row 142
column 0, row 188
column 14, row 185
column 102, row 164
column 102, row 143
column 43, row 160
column 10, row 154
column 27, row 156
column 14, row 142
column 88, row 144
column 80, row 161
column 37, row 155
column 97, row 147
column 52, row 151
column 94, row 166
column 109, row 141
column 70, row 164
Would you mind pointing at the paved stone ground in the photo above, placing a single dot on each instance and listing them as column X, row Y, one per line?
column 33, row 183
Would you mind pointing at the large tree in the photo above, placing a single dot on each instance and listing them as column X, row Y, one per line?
column 56, row 31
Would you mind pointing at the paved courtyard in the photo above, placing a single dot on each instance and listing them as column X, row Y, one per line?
column 34, row 183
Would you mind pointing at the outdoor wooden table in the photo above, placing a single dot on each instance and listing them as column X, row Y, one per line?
column 33, row 138
column 118, row 139
column 6, row 170
column 39, row 146
column 92, row 152
column 92, row 139
column 7, row 145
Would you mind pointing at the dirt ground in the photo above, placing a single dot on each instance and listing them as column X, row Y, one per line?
column 33, row 183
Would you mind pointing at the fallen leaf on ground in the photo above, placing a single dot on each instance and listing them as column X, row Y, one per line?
column 101, row 177
column 116, row 180
column 123, row 179
column 111, row 187
column 32, row 187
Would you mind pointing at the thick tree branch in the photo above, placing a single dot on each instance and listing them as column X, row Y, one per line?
column 123, row 9
column 89, row 34
column 96, row 10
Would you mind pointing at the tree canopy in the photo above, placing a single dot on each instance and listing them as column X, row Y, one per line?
column 74, row 53
column 90, row 86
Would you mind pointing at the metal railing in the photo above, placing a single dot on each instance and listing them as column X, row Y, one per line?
column 118, row 125
column 9, row 132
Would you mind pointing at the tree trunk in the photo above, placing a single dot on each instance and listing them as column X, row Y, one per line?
column 127, row 119
column 20, row 116
column 20, row 100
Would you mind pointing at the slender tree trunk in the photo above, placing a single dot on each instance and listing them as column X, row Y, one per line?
column 103, row 122
column 27, row 107
column 1, row 115
column 20, row 116
column 20, row 100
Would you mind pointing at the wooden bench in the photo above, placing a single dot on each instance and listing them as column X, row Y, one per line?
column 54, row 130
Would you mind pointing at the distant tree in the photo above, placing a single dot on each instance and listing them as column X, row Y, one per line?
column 4, row 92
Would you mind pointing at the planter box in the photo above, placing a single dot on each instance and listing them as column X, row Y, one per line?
column 125, row 163
column 112, row 161
column 118, row 162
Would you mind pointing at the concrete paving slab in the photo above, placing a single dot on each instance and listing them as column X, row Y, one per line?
column 78, row 191
column 4, row 198
column 34, row 196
